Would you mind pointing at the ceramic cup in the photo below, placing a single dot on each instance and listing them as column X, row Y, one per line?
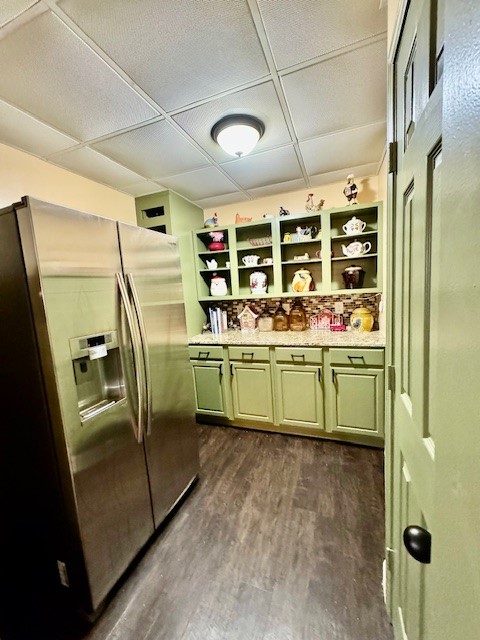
column 267, row 261
column 250, row 261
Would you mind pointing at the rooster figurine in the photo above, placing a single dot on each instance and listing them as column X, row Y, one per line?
column 310, row 206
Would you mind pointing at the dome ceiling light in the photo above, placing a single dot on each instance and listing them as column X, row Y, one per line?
column 238, row 134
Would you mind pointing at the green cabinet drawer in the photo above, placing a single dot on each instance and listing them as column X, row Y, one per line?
column 249, row 353
column 357, row 357
column 205, row 352
column 299, row 355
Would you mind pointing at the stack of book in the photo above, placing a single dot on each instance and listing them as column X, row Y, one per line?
column 218, row 320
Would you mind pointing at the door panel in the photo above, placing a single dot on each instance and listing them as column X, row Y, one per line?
column 207, row 378
column 151, row 264
column 252, row 391
column 357, row 400
column 300, row 396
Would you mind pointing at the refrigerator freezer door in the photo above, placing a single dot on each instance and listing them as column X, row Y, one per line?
column 71, row 261
column 151, row 265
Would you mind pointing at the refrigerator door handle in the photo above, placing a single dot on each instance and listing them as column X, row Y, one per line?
column 137, row 354
column 146, row 359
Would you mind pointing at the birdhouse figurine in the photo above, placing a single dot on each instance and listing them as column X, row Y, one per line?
column 248, row 319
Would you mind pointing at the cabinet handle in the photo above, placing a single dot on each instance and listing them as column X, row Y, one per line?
column 231, row 368
column 203, row 355
column 319, row 374
column 247, row 354
column 351, row 358
column 333, row 376
column 301, row 356
column 220, row 370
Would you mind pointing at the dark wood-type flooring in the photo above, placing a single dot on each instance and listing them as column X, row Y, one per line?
column 281, row 539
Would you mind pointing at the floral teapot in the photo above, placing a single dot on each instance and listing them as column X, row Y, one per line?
column 356, row 248
column 353, row 226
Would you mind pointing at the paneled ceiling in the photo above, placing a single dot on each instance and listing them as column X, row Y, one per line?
column 125, row 92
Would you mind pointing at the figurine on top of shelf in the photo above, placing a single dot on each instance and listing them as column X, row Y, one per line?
column 350, row 191
column 239, row 218
column 283, row 212
column 211, row 222
column 310, row 206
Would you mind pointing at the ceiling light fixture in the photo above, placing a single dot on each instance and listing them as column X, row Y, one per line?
column 238, row 134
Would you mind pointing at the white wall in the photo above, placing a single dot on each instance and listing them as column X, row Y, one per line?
column 294, row 201
column 22, row 174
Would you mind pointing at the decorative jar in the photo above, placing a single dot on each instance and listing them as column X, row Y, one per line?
column 280, row 319
column 362, row 319
column 298, row 317
column 353, row 277
column 265, row 321
column 218, row 286
column 302, row 281
column 258, row 282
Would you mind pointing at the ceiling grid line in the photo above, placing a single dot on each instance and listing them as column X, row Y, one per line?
column 262, row 35
column 120, row 94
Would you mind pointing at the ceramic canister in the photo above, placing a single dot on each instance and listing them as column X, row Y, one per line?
column 258, row 282
column 218, row 286
column 362, row 319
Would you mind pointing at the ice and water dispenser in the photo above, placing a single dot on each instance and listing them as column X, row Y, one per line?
column 98, row 373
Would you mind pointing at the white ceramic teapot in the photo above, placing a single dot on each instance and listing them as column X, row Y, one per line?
column 353, row 226
column 356, row 248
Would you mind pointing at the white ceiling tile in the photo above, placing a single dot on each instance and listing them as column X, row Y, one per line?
column 337, row 150
column 218, row 201
column 260, row 101
column 143, row 188
column 343, row 92
column 148, row 150
column 261, row 169
column 49, row 72
column 20, row 130
column 13, row 8
column 281, row 187
column 305, row 29
column 91, row 164
column 200, row 184
column 178, row 52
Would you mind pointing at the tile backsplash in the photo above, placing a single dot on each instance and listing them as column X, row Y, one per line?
column 311, row 304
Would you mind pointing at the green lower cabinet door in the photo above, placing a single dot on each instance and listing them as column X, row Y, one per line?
column 252, row 391
column 299, row 396
column 209, row 390
column 357, row 400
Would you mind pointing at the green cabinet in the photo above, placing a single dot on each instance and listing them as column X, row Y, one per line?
column 209, row 379
column 299, row 395
column 314, row 241
column 252, row 391
column 251, row 383
column 333, row 393
column 357, row 392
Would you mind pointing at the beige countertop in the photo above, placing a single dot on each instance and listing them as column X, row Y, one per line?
column 306, row 338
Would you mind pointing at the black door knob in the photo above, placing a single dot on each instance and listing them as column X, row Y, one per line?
column 418, row 543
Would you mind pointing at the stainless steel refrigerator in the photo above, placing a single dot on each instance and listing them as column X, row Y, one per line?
column 97, row 433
